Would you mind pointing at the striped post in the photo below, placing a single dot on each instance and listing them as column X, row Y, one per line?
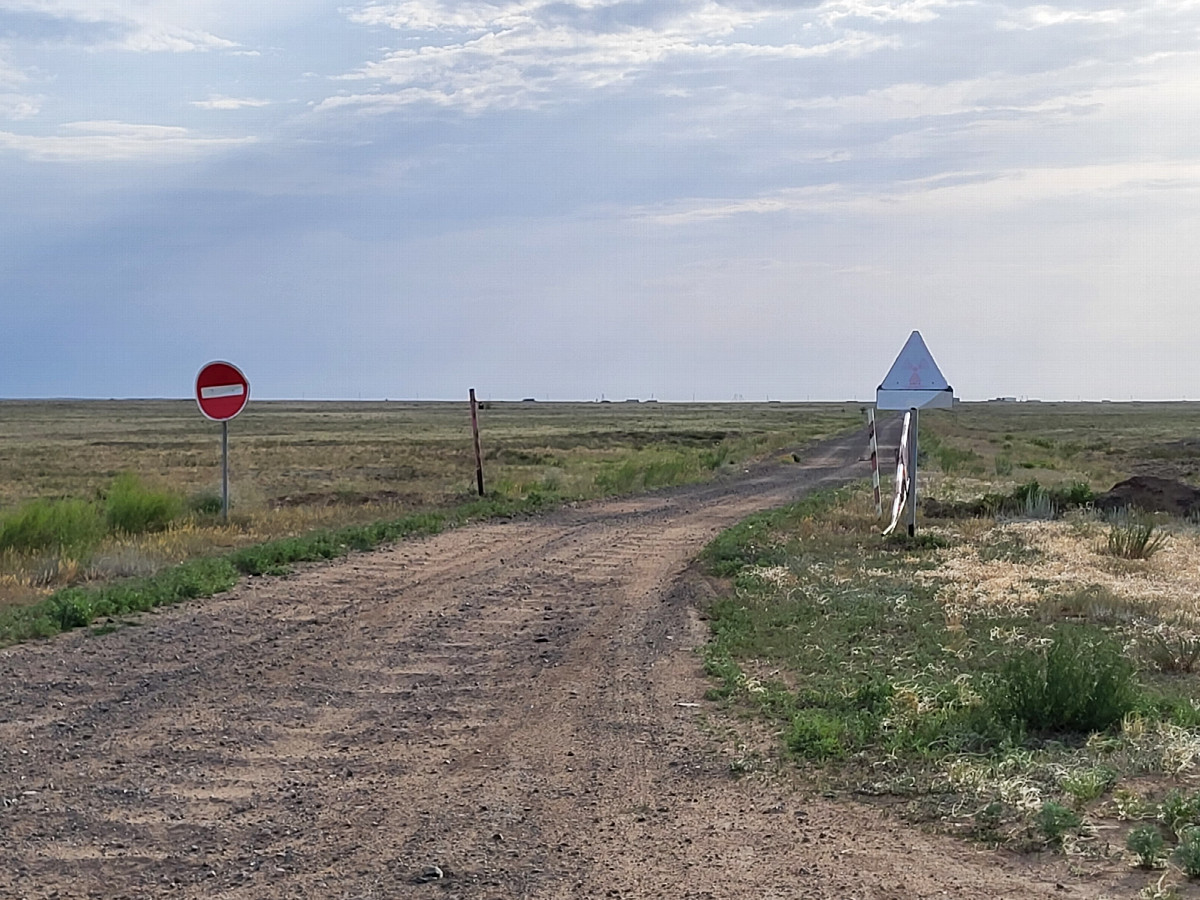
column 874, row 464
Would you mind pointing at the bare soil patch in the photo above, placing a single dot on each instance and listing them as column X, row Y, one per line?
column 507, row 710
column 1150, row 493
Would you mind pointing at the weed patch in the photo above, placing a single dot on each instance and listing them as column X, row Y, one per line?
column 1080, row 683
column 51, row 525
column 133, row 508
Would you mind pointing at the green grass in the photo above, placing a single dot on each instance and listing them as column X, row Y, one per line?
column 133, row 508
column 876, row 685
column 859, row 654
column 1081, row 682
column 67, row 525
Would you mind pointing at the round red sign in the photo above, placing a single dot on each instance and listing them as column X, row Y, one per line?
column 221, row 390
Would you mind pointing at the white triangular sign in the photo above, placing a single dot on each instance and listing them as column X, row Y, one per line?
column 914, row 369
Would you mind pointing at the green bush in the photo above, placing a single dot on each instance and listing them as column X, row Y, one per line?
column 1180, row 811
column 1148, row 844
column 1078, row 685
column 133, row 508
column 1187, row 854
column 51, row 524
column 1054, row 821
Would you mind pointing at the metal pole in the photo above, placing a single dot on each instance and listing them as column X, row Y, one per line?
column 225, row 471
column 475, row 434
column 912, row 475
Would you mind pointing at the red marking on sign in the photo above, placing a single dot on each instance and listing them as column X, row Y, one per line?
column 221, row 391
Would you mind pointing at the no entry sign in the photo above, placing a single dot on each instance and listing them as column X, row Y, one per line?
column 222, row 391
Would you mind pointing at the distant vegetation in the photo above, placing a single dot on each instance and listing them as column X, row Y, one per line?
column 99, row 491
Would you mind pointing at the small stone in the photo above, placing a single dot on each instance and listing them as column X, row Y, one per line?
column 431, row 873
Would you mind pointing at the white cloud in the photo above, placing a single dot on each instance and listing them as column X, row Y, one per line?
column 14, row 103
column 19, row 106
column 973, row 192
column 910, row 11
column 219, row 102
column 151, row 26
column 1031, row 17
column 115, row 141
column 530, row 53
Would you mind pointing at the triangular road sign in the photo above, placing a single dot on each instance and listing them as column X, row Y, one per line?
column 914, row 381
column 914, row 369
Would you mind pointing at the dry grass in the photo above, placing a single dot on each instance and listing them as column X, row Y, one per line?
column 300, row 466
column 1057, row 443
column 1067, row 560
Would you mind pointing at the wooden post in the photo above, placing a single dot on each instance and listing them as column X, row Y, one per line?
column 912, row 475
column 475, row 434
column 875, row 464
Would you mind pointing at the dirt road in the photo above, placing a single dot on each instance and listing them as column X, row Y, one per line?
column 507, row 710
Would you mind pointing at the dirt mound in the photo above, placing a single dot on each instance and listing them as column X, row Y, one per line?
column 1152, row 494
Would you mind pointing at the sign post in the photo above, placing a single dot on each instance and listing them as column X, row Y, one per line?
column 913, row 383
column 221, row 393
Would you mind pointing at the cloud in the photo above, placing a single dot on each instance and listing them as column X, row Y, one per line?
column 218, row 102
column 18, row 106
column 951, row 193
column 1031, row 17
column 528, row 54
column 907, row 11
column 115, row 141
column 14, row 103
column 151, row 27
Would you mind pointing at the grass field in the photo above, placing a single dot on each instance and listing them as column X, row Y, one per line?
column 96, row 490
column 1027, row 677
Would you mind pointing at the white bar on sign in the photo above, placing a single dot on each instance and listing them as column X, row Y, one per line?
column 222, row 390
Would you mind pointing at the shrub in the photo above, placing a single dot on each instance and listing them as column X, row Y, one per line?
column 1187, row 854
column 1180, row 811
column 1147, row 843
column 51, row 524
column 1054, row 821
column 1133, row 540
column 1076, row 685
column 1172, row 649
column 1032, row 501
column 205, row 504
column 133, row 508
column 1085, row 785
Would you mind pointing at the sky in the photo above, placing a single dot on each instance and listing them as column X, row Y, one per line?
column 577, row 199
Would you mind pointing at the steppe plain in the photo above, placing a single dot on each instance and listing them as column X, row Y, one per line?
column 522, row 706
